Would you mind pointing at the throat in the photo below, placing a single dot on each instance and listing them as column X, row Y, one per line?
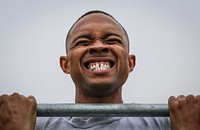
column 112, row 98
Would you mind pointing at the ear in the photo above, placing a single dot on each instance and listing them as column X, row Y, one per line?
column 64, row 64
column 132, row 62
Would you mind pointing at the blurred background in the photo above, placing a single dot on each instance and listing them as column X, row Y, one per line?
column 164, row 36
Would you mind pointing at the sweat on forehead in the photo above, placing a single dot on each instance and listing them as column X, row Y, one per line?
column 89, row 13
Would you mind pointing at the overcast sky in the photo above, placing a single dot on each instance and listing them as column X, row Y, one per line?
column 164, row 36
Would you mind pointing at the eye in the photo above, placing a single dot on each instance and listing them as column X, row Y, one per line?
column 113, row 41
column 82, row 42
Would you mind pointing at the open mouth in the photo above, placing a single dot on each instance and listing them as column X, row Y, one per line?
column 98, row 66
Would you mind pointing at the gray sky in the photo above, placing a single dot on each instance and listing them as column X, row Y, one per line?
column 164, row 36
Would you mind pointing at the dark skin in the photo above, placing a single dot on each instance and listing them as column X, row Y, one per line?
column 92, row 41
column 17, row 112
column 96, row 39
column 185, row 112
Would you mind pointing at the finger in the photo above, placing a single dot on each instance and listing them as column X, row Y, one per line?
column 15, row 94
column 190, row 99
column 180, row 97
column 171, row 101
column 18, row 96
column 31, row 97
column 198, row 97
column 2, row 102
column 33, row 100
column 3, row 97
column 190, row 96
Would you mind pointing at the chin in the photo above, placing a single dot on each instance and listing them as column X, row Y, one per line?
column 101, row 89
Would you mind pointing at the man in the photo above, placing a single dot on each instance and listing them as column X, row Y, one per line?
column 99, row 63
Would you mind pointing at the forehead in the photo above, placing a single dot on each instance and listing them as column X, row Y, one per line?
column 96, row 23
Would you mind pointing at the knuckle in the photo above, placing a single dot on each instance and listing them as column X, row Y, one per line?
column 15, row 94
column 190, row 98
column 171, row 99
column 198, row 97
column 172, row 102
column 181, row 97
column 32, row 99
column 3, row 97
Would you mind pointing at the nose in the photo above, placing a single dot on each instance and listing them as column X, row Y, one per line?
column 99, row 48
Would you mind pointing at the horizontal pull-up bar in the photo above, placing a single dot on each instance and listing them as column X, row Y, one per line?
column 103, row 110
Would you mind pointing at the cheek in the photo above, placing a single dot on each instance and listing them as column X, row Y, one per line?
column 77, row 54
column 75, row 57
column 123, row 60
column 121, row 53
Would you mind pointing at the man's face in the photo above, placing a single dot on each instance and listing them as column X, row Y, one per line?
column 98, row 59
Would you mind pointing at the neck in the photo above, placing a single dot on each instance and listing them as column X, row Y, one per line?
column 114, row 97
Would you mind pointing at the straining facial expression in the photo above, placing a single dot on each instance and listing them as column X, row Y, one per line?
column 98, row 59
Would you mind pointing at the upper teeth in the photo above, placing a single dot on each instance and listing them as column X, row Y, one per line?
column 99, row 66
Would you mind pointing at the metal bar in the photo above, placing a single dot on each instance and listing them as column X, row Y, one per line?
column 103, row 110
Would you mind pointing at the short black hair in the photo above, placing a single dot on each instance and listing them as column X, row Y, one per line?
column 92, row 12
